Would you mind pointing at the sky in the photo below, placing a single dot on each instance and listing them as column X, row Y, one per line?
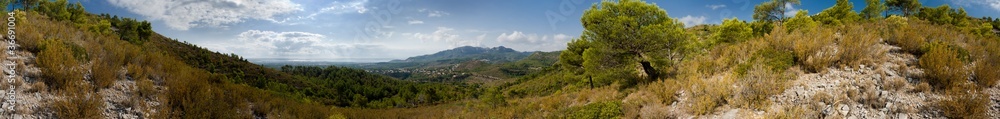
column 382, row 30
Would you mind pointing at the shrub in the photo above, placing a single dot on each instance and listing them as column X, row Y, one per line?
column 57, row 64
column 78, row 105
column 761, row 27
column 943, row 66
column 755, row 87
column 772, row 59
column 707, row 94
column 922, row 87
column 859, row 46
column 104, row 73
column 896, row 22
column 801, row 21
column 964, row 102
column 597, row 110
column 38, row 87
column 665, row 90
column 815, row 50
column 908, row 39
column 145, row 88
column 840, row 14
column 894, row 84
column 493, row 97
column 960, row 53
column 732, row 30
column 985, row 70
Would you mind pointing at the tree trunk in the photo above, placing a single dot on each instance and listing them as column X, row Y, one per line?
column 650, row 71
column 647, row 68
column 591, row 81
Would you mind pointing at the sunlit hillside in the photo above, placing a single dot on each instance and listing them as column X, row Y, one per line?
column 893, row 59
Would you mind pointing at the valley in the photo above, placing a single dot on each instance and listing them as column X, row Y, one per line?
column 892, row 59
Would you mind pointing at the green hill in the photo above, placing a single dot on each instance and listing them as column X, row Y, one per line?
column 79, row 56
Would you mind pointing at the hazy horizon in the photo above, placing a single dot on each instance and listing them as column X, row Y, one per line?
column 397, row 29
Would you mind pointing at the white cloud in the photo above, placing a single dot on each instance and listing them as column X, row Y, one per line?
column 282, row 43
column 533, row 42
column 481, row 37
column 437, row 14
column 446, row 35
column 185, row 14
column 433, row 13
column 415, row 22
column 714, row 7
column 992, row 4
column 791, row 10
column 561, row 37
column 518, row 37
column 295, row 45
column 441, row 34
column 692, row 21
column 357, row 6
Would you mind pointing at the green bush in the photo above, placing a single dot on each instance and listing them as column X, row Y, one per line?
column 597, row 110
column 840, row 14
column 943, row 66
column 732, row 31
column 761, row 27
column 944, row 15
column 801, row 21
column 58, row 66
column 896, row 21
column 774, row 60
column 493, row 97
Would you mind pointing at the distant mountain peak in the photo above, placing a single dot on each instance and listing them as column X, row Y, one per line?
column 499, row 53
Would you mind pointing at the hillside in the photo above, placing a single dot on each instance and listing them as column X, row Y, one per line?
column 73, row 64
column 932, row 62
column 894, row 59
column 464, row 64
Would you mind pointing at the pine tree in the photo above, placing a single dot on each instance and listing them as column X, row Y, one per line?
column 634, row 34
column 873, row 10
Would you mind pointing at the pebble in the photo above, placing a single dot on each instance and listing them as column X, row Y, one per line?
column 844, row 109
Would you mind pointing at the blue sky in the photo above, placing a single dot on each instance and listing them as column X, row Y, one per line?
column 381, row 30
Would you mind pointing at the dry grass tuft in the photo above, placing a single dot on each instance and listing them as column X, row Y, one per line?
column 760, row 83
column 78, row 105
column 707, row 94
column 859, row 45
column 894, row 84
column 965, row 102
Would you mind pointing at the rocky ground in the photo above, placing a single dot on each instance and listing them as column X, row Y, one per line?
column 886, row 90
column 34, row 100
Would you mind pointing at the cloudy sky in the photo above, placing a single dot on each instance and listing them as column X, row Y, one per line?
column 381, row 30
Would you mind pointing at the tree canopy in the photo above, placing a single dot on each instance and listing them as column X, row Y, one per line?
column 773, row 10
column 801, row 21
column 840, row 13
column 906, row 7
column 626, row 34
column 874, row 9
